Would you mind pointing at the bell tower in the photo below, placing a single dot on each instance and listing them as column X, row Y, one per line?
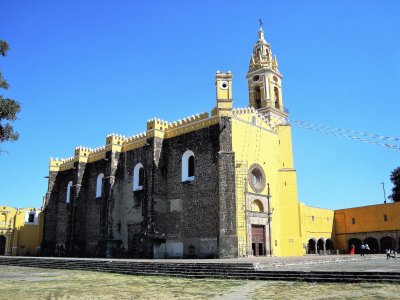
column 265, row 80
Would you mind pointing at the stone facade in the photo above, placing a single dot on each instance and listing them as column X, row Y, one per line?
column 167, row 218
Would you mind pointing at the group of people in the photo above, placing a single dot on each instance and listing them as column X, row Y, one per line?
column 364, row 249
column 390, row 253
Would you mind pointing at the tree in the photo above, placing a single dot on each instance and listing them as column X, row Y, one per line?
column 395, row 179
column 9, row 108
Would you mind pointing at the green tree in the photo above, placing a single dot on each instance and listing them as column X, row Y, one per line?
column 395, row 179
column 9, row 108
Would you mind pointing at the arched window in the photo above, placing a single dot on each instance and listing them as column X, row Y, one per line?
column 188, row 166
column 68, row 198
column 99, row 185
column 138, row 177
column 276, row 91
column 257, row 206
column 257, row 97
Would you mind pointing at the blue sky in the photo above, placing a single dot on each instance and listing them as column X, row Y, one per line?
column 83, row 69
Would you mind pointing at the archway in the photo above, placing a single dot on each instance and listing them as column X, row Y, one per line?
column 257, row 206
column 311, row 246
column 373, row 245
column 320, row 245
column 2, row 244
column 387, row 242
column 329, row 245
column 356, row 243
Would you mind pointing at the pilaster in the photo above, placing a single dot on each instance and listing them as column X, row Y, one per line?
column 228, row 240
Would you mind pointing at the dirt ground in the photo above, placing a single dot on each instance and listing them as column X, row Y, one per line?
column 35, row 283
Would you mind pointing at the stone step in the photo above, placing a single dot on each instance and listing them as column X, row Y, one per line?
column 190, row 270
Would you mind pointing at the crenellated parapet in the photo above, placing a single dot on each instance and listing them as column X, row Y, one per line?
column 62, row 164
column 155, row 127
column 135, row 141
column 114, row 142
column 97, row 154
column 243, row 110
column 192, row 123
column 82, row 153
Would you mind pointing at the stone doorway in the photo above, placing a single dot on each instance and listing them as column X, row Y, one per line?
column 2, row 244
column 258, row 240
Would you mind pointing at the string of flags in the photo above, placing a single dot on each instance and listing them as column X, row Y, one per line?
column 371, row 138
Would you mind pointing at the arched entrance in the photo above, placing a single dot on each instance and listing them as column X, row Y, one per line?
column 2, row 244
column 329, row 246
column 373, row 245
column 387, row 242
column 356, row 243
column 320, row 245
column 311, row 246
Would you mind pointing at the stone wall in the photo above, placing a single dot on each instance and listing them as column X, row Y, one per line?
column 168, row 218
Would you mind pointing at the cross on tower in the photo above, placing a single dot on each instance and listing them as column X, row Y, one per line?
column 261, row 22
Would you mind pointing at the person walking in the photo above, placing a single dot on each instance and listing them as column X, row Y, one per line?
column 352, row 249
column 362, row 249
column 367, row 249
column 387, row 253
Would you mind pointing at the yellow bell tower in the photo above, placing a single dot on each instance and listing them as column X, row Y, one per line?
column 265, row 80
column 265, row 95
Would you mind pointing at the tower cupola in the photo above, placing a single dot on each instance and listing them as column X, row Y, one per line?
column 265, row 80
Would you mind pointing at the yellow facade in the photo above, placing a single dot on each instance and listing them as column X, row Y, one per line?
column 373, row 221
column 20, row 231
column 316, row 224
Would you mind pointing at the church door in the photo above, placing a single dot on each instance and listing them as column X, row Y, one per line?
column 258, row 239
column 2, row 244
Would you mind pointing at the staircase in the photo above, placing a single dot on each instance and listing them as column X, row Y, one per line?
column 198, row 270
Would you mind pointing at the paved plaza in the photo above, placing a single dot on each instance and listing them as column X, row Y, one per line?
column 330, row 263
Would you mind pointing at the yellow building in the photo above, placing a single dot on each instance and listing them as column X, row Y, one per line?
column 241, row 178
column 20, row 231
column 376, row 225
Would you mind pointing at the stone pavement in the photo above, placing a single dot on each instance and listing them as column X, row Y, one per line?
column 334, row 263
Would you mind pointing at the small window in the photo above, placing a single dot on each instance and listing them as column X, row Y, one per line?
column 385, row 218
column 31, row 218
column 188, row 166
column 68, row 197
column 312, row 218
column 254, row 120
column 353, row 221
column 99, row 185
column 276, row 91
column 257, row 97
column 138, row 177
column 257, row 206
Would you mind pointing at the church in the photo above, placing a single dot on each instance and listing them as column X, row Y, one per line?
column 212, row 185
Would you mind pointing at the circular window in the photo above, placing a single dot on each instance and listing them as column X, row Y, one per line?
column 224, row 85
column 256, row 178
column 256, row 78
column 275, row 79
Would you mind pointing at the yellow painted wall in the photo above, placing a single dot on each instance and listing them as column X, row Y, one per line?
column 252, row 144
column 367, row 219
column 316, row 223
column 289, row 242
column 22, row 237
column 271, row 149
